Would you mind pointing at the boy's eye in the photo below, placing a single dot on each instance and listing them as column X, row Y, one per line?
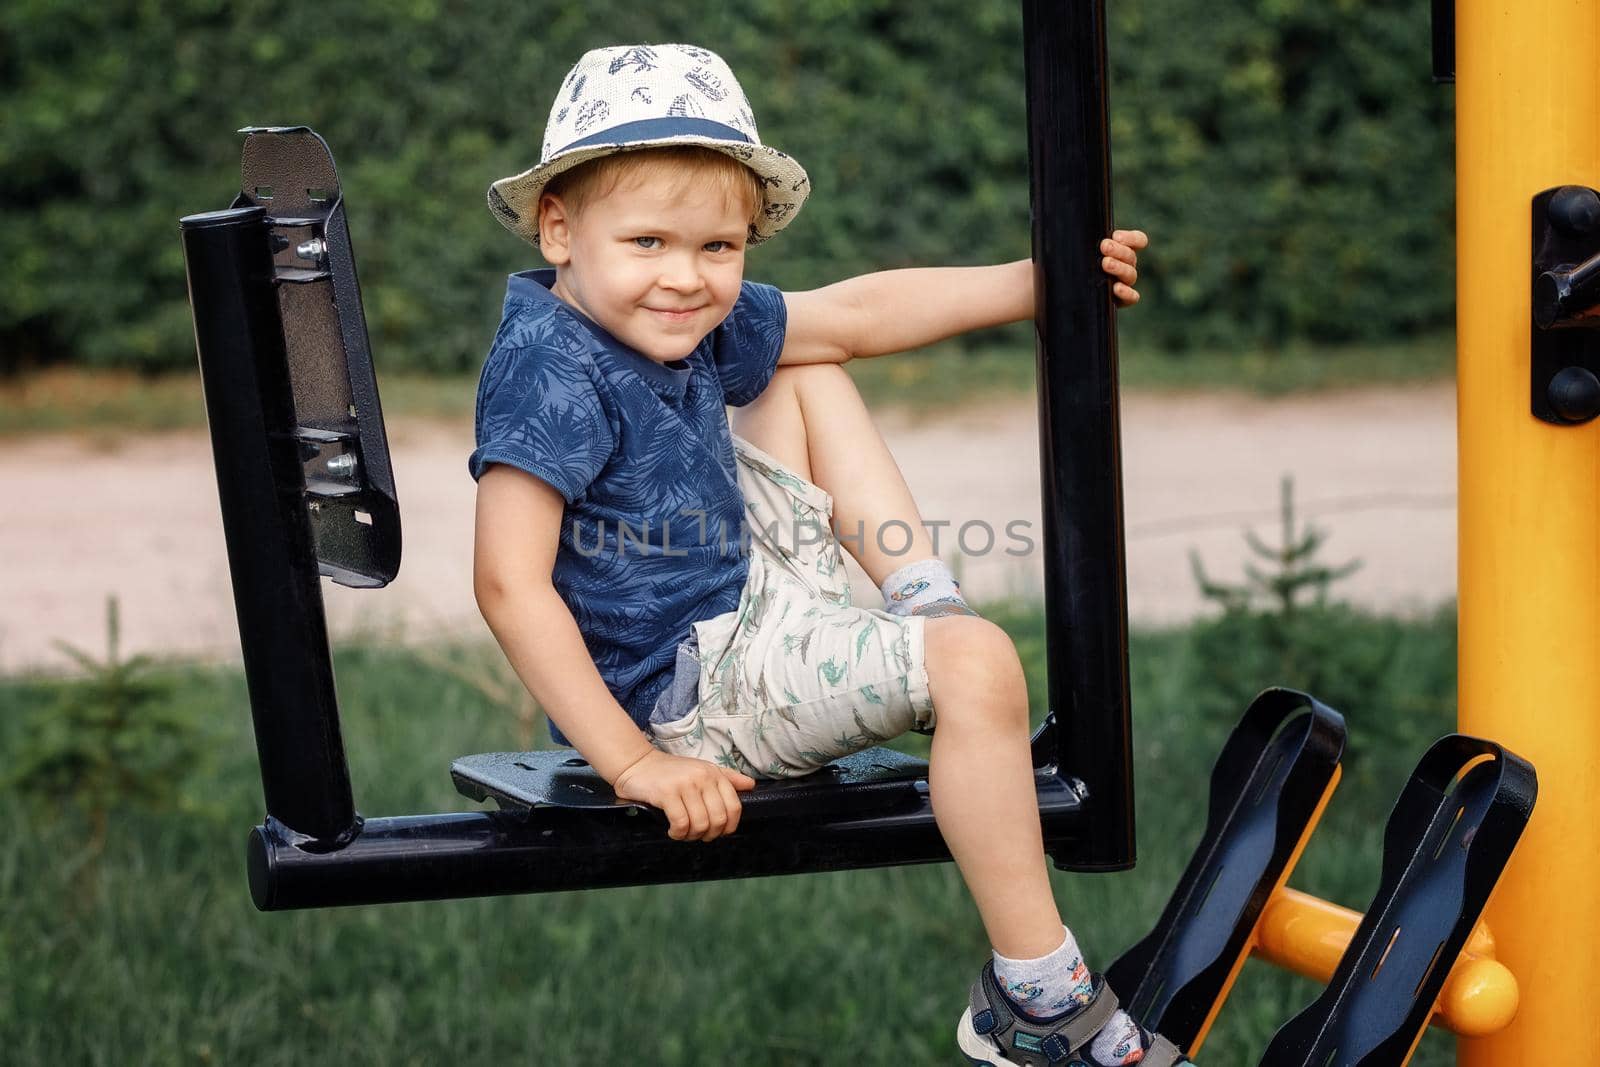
column 718, row 246
column 647, row 242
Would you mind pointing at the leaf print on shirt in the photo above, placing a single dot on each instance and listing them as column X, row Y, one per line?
column 562, row 401
column 831, row 671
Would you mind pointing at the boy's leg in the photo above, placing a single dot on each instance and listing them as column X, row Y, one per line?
column 981, row 782
column 811, row 418
column 980, row 779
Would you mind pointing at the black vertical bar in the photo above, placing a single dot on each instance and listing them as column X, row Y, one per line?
column 271, row 552
column 1086, row 611
column 1444, row 41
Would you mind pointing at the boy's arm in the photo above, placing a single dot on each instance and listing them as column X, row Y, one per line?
column 518, row 524
column 895, row 310
column 518, row 527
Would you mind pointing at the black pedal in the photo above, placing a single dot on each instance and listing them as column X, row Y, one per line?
column 1449, row 837
column 1268, row 788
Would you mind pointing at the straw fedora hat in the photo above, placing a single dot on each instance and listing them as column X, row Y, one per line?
column 635, row 96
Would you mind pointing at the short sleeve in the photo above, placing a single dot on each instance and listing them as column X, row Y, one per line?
column 745, row 348
column 540, row 411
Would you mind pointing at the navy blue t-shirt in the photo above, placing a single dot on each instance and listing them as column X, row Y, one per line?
column 641, row 452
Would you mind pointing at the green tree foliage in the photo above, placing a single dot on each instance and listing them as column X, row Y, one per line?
column 1290, row 156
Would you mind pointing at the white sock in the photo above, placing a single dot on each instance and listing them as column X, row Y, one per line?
column 920, row 585
column 1056, row 982
column 1060, row 982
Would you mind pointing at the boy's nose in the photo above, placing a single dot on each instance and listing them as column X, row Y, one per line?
column 680, row 272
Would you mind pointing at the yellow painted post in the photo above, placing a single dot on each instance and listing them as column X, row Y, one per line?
column 1528, row 118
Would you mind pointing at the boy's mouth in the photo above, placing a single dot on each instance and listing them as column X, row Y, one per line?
column 675, row 314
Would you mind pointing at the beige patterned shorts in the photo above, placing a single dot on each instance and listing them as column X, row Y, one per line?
column 796, row 676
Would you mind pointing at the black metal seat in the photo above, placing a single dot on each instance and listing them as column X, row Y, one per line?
column 875, row 779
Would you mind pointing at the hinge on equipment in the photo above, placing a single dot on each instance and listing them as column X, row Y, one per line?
column 1564, row 350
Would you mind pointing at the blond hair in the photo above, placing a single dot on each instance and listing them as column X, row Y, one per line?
column 683, row 165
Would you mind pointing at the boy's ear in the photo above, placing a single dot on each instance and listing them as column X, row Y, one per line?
column 555, row 230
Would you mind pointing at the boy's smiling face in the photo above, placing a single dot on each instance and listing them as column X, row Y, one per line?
column 656, row 260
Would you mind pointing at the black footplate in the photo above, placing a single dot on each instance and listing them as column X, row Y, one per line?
column 1268, row 789
column 1448, row 839
column 873, row 780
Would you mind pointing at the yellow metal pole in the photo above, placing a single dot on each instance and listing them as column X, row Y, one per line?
column 1528, row 118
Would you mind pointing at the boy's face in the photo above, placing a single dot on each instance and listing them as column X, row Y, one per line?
column 656, row 261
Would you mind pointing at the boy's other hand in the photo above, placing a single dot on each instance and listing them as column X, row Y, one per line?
column 699, row 799
column 1121, row 252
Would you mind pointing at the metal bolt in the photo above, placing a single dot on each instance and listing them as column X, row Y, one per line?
column 312, row 249
column 342, row 466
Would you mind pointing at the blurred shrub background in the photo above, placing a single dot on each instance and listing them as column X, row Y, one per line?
column 1289, row 156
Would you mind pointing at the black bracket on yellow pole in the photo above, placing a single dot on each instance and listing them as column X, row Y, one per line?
column 1565, row 348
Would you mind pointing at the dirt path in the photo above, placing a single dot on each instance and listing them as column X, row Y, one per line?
column 139, row 519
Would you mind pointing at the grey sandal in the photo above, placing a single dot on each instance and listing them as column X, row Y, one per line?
column 992, row 1032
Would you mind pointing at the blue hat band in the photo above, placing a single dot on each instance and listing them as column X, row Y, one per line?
column 659, row 129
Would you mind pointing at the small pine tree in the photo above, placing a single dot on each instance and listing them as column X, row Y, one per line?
column 111, row 738
column 1293, row 570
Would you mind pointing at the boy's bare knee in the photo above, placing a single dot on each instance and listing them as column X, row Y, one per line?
column 974, row 674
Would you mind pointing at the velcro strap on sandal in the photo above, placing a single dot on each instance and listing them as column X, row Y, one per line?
column 1075, row 1031
column 1161, row 1053
column 1090, row 1019
column 993, row 1001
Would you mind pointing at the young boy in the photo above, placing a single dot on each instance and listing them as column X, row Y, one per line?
column 613, row 507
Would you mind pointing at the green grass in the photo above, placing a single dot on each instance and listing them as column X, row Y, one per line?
column 933, row 379
column 152, row 953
